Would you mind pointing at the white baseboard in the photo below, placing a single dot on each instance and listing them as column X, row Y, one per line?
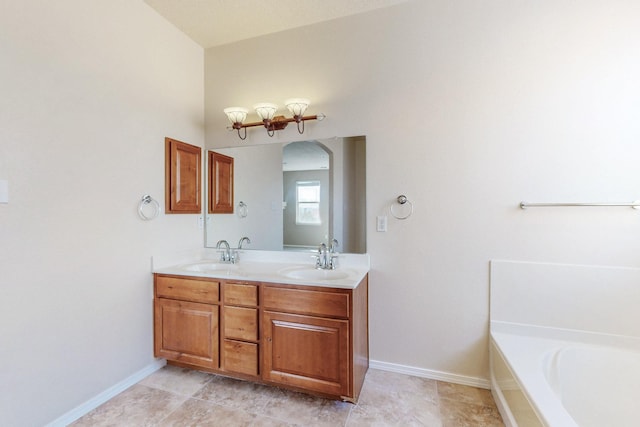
column 109, row 393
column 501, row 404
column 431, row 374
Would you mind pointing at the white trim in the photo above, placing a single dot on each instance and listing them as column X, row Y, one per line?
column 431, row 374
column 501, row 404
column 109, row 393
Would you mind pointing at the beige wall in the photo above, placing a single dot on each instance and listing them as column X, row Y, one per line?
column 468, row 107
column 89, row 91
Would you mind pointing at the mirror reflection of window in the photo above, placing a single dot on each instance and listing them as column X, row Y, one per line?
column 308, row 203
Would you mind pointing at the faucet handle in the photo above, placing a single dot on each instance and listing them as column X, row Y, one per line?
column 333, row 261
column 321, row 256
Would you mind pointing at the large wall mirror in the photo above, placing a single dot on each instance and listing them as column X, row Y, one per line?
column 295, row 196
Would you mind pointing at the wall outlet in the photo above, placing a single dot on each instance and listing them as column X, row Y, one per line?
column 381, row 223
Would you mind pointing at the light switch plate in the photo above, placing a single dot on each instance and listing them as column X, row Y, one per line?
column 4, row 191
column 381, row 223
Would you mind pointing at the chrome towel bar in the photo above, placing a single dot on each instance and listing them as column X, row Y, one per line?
column 524, row 205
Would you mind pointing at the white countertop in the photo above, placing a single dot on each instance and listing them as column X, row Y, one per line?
column 296, row 268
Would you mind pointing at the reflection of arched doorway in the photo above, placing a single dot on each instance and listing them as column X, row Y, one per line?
column 308, row 194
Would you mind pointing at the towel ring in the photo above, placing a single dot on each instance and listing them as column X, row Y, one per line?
column 148, row 200
column 243, row 209
column 402, row 200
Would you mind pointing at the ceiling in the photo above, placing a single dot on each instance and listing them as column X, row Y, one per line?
column 216, row 22
column 304, row 155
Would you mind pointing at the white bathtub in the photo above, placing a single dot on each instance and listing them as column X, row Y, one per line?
column 563, row 378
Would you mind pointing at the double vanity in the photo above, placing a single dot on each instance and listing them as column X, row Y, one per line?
column 271, row 317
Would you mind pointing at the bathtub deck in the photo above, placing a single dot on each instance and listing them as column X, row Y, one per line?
column 526, row 351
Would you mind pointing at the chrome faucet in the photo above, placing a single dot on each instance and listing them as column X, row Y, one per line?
column 333, row 255
column 225, row 254
column 326, row 258
column 242, row 240
column 235, row 255
column 321, row 261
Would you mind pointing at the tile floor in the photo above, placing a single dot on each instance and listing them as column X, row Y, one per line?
column 181, row 397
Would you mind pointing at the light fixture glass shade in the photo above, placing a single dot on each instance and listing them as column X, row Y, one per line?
column 236, row 114
column 297, row 106
column 265, row 110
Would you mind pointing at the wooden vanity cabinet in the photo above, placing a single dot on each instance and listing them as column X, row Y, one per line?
column 315, row 338
column 240, row 331
column 186, row 320
column 307, row 338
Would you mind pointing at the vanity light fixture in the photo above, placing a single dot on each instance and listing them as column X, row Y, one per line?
column 266, row 111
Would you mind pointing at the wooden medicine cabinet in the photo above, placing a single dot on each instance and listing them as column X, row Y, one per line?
column 220, row 183
column 182, row 177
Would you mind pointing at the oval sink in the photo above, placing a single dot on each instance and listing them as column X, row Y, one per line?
column 211, row 266
column 309, row 273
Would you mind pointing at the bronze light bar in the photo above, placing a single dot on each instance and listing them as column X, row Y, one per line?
column 271, row 122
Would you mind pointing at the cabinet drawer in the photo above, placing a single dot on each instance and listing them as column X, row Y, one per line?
column 240, row 294
column 302, row 301
column 187, row 289
column 240, row 357
column 241, row 323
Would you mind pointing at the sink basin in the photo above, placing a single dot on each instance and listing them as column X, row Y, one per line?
column 309, row 273
column 206, row 267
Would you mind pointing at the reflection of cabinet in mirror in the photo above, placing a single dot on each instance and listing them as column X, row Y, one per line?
column 220, row 183
column 182, row 177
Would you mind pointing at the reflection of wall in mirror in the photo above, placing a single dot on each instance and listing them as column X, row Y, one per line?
column 263, row 223
column 354, row 196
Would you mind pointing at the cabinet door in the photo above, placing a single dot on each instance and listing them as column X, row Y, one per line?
column 186, row 332
column 182, row 177
column 220, row 183
column 308, row 352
